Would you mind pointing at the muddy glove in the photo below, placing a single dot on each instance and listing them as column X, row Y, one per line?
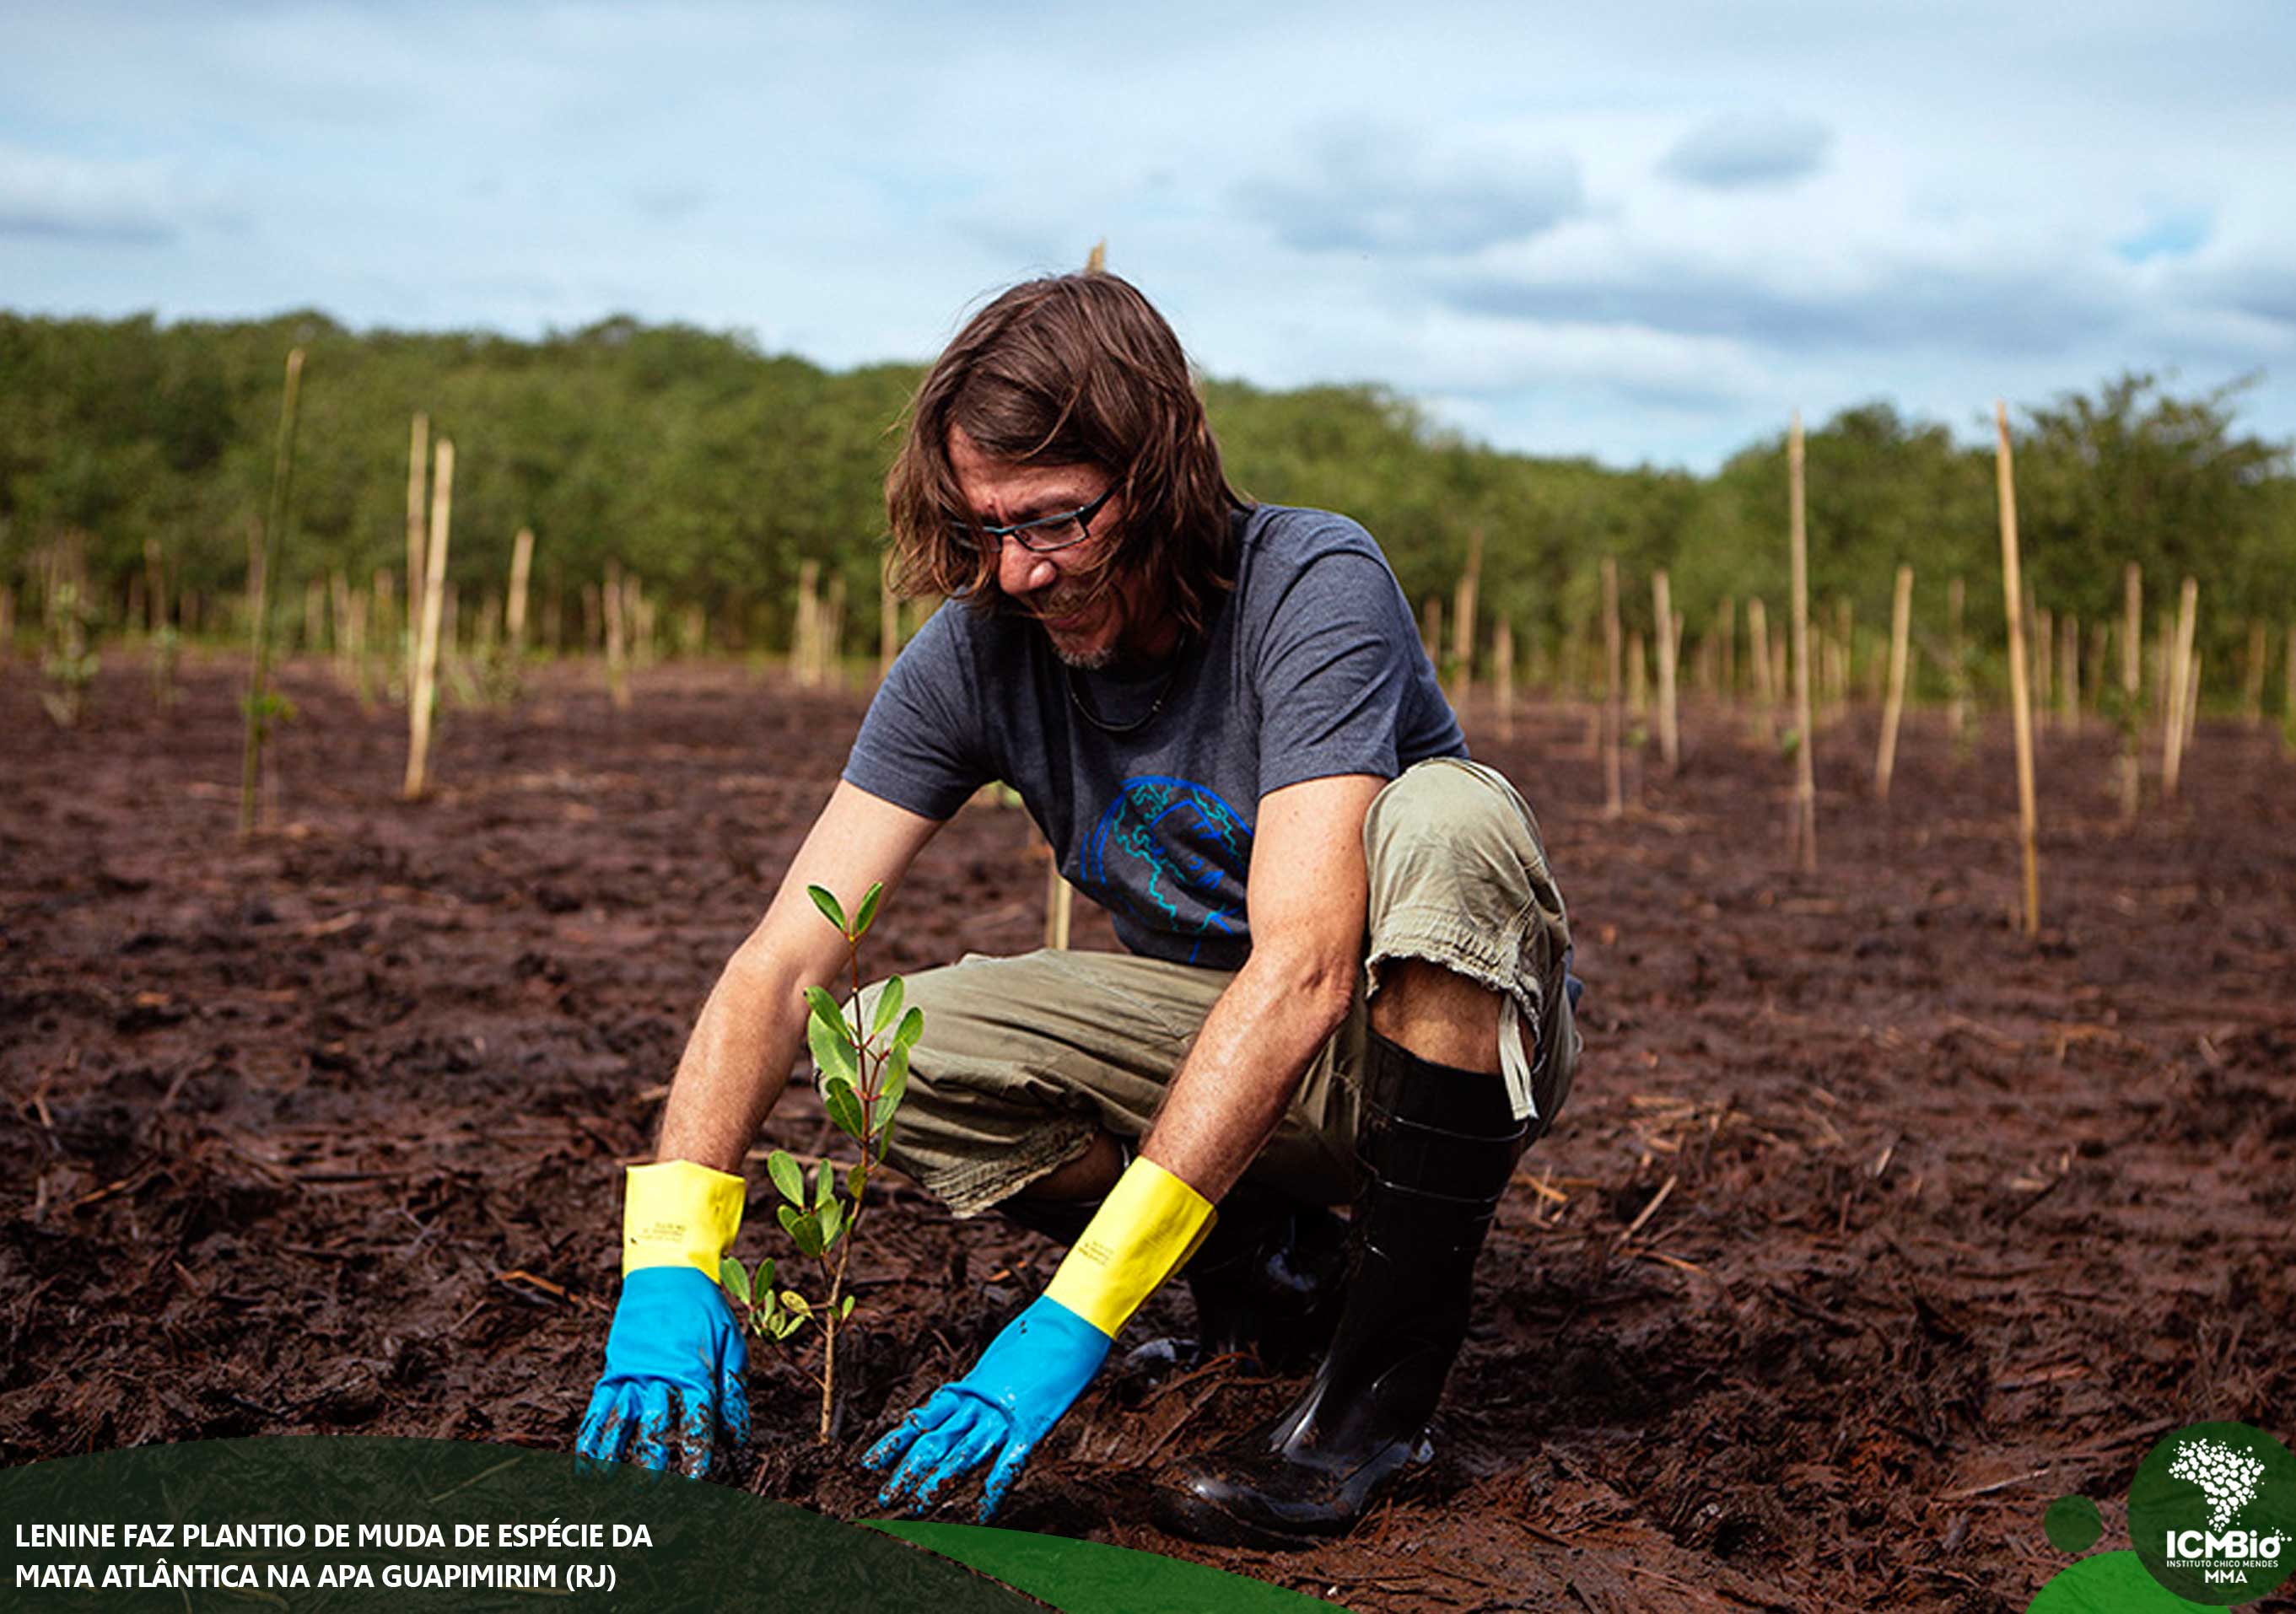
column 1033, row 1371
column 675, row 1356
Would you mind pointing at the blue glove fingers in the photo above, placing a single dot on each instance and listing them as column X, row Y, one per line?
column 605, row 1426
column 733, row 1395
column 694, row 1433
column 650, row 1447
column 931, row 1415
column 989, row 1432
column 936, row 1448
column 1001, row 1477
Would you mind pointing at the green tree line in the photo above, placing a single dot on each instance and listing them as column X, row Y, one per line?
column 713, row 470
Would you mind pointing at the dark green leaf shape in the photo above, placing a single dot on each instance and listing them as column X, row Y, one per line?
column 844, row 1109
column 889, row 1006
column 827, row 904
column 788, row 1176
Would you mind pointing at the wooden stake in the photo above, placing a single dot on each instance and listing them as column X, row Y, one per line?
column 1729, row 636
column 275, row 536
column 383, row 619
column 2180, row 669
column 155, row 591
column 1901, row 622
column 805, row 659
column 1669, row 737
column 1804, row 838
column 423, row 694
column 418, row 456
column 2251, row 699
column 340, row 599
column 2132, row 674
column 1638, row 675
column 2069, row 685
column 832, row 637
column 1462, row 624
column 1503, row 676
column 1059, row 905
column 2045, row 661
column 617, row 628
column 1614, row 800
column 1757, row 642
column 1957, row 720
column 888, row 620
column 2191, row 707
column 2021, row 704
column 521, row 573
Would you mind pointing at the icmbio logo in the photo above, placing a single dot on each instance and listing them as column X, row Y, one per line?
column 2212, row 1514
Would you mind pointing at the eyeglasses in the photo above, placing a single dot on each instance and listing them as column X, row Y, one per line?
column 1045, row 533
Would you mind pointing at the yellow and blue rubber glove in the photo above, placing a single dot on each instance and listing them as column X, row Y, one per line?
column 674, row 1357
column 1033, row 1371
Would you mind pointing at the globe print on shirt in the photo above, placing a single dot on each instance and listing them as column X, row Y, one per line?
column 1172, row 854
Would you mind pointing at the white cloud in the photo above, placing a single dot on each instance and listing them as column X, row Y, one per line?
column 85, row 200
column 1743, row 150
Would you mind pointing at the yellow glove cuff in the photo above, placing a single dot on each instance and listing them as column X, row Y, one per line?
column 678, row 1214
column 1148, row 1226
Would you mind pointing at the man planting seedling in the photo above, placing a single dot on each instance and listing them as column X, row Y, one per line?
column 1346, row 977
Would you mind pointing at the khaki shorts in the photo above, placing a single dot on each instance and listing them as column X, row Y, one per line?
column 1024, row 1059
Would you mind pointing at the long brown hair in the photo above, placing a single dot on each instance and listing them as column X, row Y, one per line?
column 1071, row 369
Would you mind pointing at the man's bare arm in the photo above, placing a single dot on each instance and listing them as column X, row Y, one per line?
column 1308, row 889
column 753, row 1028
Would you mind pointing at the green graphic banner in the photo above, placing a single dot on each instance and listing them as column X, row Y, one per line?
column 346, row 1524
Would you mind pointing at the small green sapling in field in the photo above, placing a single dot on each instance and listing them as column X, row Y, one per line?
column 69, row 665
column 864, row 1067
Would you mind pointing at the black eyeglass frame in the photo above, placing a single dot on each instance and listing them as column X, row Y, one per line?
column 1019, row 531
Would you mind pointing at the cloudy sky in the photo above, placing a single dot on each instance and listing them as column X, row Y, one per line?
column 1634, row 231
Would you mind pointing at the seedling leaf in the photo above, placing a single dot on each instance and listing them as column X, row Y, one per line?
column 796, row 1303
column 826, row 1013
column 834, row 1053
column 854, row 1179
column 889, row 1006
column 896, row 1083
column 788, row 1176
column 868, row 910
column 832, row 1223
column 845, row 1309
column 825, row 1185
column 830, row 911
column 844, row 1109
column 804, row 1228
column 734, row 1276
column 913, row 1027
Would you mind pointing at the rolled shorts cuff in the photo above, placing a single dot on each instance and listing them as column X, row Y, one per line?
column 969, row 1186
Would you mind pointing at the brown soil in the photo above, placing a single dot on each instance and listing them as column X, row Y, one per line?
column 1872, row 1225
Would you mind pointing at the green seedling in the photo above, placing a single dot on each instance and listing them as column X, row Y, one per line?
column 865, row 1069
column 69, row 665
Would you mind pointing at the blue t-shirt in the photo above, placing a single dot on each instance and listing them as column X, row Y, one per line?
column 1311, row 666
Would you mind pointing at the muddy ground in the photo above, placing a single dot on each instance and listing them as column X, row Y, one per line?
column 1872, row 1225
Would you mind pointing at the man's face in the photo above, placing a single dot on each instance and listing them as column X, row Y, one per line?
column 1052, row 586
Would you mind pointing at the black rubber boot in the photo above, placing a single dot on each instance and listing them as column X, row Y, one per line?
column 1267, row 1280
column 1267, row 1283
column 1438, row 1146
